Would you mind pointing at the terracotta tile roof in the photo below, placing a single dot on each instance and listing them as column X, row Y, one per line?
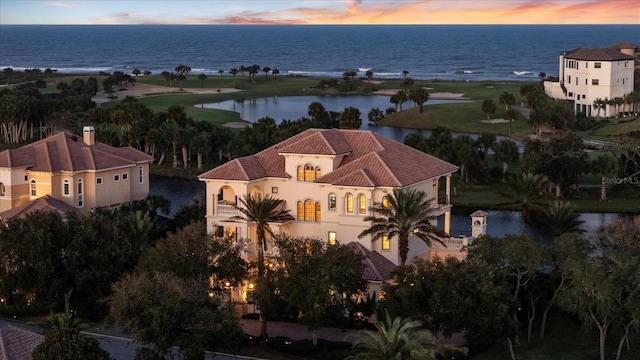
column 376, row 266
column 18, row 344
column 45, row 203
column 370, row 160
column 603, row 54
column 67, row 152
column 624, row 45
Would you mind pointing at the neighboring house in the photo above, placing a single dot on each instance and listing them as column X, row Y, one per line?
column 329, row 178
column 64, row 169
column 18, row 344
column 586, row 75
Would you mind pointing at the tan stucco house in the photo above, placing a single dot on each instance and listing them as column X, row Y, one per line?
column 587, row 74
column 69, row 171
column 328, row 179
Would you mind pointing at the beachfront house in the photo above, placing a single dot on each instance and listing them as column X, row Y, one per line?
column 328, row 179
column 590, row 74
column 66, row 172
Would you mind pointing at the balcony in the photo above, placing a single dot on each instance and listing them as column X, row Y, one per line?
column 226, row 210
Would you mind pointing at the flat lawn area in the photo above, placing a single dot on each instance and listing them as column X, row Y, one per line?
column 463, row 117
column 588, row 200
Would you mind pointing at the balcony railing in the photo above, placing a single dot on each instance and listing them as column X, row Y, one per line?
column 452, row 243
column 226, row 210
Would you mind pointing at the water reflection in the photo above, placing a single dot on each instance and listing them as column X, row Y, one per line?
column 296, row 107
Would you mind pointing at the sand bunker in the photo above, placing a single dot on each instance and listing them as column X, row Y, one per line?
column 141, row 90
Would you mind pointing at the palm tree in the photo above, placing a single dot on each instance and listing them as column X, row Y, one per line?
column 202, row 78
column 560, row 218
column 395, row 339
column 507, row 99
column 64, row 322
column 510, row 115
column 527, row 190
column 350, row 118
column 419, row 96
column 506, row 151
column 369, row 74
column 598, row 104
column 488, row 107
column 261, row 210
column 406, row 212
column 604, row 165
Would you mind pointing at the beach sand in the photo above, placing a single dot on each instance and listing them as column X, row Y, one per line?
column 142, row 90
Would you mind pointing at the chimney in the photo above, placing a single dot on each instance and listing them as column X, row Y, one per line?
column 89, row 135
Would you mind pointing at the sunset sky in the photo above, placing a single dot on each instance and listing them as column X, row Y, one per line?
column 320, row 12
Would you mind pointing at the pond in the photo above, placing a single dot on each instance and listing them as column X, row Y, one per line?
column 296, row 107
column 499, row 222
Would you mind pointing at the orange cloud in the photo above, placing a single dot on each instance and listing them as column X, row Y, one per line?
column 459, row 12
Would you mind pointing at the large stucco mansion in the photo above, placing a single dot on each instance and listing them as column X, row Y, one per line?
column 65, row 172
column 588, row 74
column 328, row 179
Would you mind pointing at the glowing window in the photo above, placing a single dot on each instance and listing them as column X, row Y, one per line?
column 385, row 202
column 33, row 188
column 318, row 172
column 386, row 244
column 300, row 173
column 300, row 211
column 318, row 208
column 309, row 173
column 309, row 210
column 332, row 238
column 362, row 204
column 349, row 203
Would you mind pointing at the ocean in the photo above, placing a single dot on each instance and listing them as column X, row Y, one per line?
column 447, row 52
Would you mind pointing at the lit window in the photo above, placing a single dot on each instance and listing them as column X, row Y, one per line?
column 65, row 187
column 33, row 188
column 300, row 173
column 385, row 202
column 318, row 208
column 318, row 172
column 300, row 213
column 362, row 204
column 349, row 203
column 309, row 172
column 309, row 210
column 386, row 244
column 332, row 238
column 332, row 202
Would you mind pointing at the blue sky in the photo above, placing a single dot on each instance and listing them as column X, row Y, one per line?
column 320, row 12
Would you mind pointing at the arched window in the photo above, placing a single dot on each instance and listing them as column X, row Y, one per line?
column 318, row 208
column 80, row 194
column 300, row 214
column 362, row 204
column 332, row 202
column 349, row 202
column 308, row 210
column 309, row 172
column 318, row 172
column 65, row 187
column 385, row 202
column 300, row 171
column 33, row 188
column 3, row 190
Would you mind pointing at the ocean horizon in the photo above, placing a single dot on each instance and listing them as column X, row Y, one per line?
column 427, row 52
